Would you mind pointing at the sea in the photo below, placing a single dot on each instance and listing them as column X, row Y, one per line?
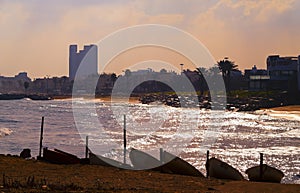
column 237, row 138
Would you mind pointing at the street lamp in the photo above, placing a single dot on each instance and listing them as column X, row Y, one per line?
column 47, row 86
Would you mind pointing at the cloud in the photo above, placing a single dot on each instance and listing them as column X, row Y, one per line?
column 167, row 19
column 246, row 30
column 13, row 17
column 260, row 10
column 41, row 40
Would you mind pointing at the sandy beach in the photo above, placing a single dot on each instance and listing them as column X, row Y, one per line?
column 19, row 175
column 293, row 108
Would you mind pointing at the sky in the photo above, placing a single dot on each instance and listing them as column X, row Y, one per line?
column 35, row 35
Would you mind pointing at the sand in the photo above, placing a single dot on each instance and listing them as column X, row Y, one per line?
column 19, row 175
column 287, row 108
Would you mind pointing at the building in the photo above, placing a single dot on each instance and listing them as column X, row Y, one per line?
column 257, row 78
column 14, row 84
column 22, row 76
column 87, row 58
column 236, row 73
column 254, row 71
column 299, row 73
column 283, row 72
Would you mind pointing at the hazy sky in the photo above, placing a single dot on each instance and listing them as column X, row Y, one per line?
column 35, row 35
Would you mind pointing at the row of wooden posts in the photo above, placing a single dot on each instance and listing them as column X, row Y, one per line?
column 87, row 140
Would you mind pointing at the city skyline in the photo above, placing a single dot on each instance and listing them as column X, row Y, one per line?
column 36, row 36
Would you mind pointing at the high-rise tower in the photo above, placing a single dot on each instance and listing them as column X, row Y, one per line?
column 299, row 73
column 86, row 60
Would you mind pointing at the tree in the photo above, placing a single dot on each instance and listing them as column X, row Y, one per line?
column 26, row 86
column 163, row 71
column 213, row 71
column 113, row 77
column 203, row 73
column 127, row 72
column 226, row 67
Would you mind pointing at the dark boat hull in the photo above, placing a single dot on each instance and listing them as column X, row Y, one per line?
column 141, row 160
column 40, row 97
column 178, row 166
column 59, row 157
column 269, row 174
column 104, row 161
column 221, row 170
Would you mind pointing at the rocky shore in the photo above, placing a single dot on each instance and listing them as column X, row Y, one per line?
column 235, row 103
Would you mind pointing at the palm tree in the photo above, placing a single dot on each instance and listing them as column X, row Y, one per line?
column 113, row 78
column 226, row 67
column 202, row 72
column 213, row 71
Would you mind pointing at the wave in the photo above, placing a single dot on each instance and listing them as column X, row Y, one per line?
column 5, row 131
column 7, row 121
column 290, row 115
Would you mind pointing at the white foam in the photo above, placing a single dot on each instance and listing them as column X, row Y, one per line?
column 5, row 132
column 290, row 115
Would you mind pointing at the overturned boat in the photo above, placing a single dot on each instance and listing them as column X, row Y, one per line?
column 104, row 161
column 59, row 157
column 169, row 163
column 264, row 173
column 221, row 170
column 178, row 166
column 141, row 160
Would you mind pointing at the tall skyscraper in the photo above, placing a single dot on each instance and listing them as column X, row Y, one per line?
column 299, row 73
column 84, row 62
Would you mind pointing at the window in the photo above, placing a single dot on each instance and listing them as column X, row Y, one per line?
column 287, row 72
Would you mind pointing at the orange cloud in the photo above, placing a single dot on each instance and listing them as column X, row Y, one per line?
column 35, row 37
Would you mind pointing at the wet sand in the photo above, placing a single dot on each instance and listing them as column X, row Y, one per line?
column 21, row 175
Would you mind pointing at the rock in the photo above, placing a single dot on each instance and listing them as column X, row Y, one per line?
column 26, row 153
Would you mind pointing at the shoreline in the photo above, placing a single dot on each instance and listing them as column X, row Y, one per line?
column 37, row 176
column 289, row 112
column 286, row 108
column 242, row 105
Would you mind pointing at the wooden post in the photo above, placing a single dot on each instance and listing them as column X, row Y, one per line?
column 86, row 146
column 124, row 138
column 161, row 155
column 261, row 165
column 41, row 138
column 207, row 164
